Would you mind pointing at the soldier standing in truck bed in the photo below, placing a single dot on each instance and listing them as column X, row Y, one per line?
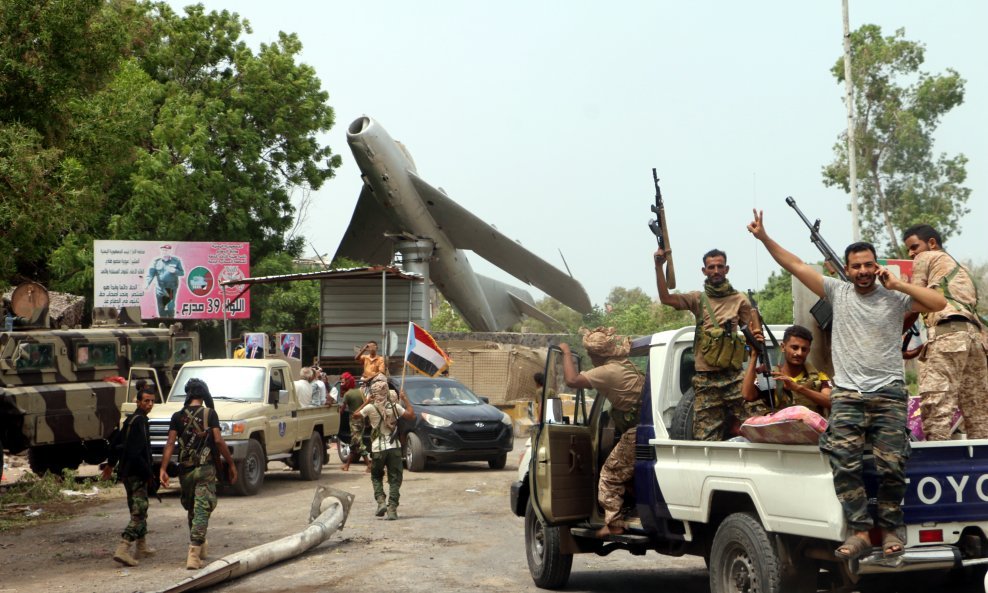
column 953, row 371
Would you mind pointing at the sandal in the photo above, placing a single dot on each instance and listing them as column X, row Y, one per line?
column 853, row 548
column 892, row 546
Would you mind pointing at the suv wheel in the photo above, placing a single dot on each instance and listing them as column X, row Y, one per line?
column 414, row 455
column 498, row 462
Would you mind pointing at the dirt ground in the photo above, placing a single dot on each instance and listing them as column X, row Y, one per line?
column 455, row 533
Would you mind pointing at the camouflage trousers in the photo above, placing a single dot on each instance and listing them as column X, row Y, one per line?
column 877, row 418
column 615, row 476
column 199, row 500
column 137, row 502
column 390, row 460
column 717, row 399
column 357, row 447
column 953, row 373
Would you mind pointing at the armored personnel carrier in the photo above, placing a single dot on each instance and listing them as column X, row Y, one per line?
column 61, row 390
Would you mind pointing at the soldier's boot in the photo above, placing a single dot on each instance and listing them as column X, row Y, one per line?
column 392, row 513
column 381, row 507
column 193, row 562
column 122, row 555
column 203, row 552
column 143, row 549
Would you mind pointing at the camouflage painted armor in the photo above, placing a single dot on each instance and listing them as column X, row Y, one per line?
column 878, row 418
column 137, row 502
column 56, row 396
column 199, row 499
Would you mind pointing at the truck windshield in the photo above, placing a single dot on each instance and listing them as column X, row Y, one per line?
column 234, row 383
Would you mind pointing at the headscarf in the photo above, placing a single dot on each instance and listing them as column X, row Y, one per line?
column 718, row 291
column 604, row 342
column 347, row 381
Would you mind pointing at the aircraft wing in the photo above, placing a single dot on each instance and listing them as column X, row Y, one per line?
column 364, row 238
column 466, row 231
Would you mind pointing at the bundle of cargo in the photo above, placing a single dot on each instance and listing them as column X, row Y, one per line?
column 500, row 372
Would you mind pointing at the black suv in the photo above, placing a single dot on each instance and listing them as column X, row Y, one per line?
column 453, row 424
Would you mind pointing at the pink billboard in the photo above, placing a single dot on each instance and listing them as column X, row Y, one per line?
column 172, row 279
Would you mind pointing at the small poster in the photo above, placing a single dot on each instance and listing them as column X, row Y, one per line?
column 291, row 345
column 255, row 345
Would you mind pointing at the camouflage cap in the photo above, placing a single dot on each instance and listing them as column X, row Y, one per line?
column 604, row 342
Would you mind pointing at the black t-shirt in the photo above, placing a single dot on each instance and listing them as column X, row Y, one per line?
column 212, row 421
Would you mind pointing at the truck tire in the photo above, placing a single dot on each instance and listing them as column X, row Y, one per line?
column 548, row 565
column 743, row 558
column 682, row 418
column 498, row 462
column 250, row 470
column 310, row 457
column 343, row 449
column 54, row 458
column 414, row 455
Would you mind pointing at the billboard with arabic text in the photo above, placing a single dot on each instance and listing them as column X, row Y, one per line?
column 172, row 279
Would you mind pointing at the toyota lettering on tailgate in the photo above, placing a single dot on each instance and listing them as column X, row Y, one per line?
column 947, row 484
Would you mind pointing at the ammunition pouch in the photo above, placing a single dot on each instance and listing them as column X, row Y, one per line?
column 719, row 348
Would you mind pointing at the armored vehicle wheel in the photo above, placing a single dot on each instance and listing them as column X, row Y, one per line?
column 682, row 418
column 549, row 567
column 414, row 455
column 498, row 462
column 54, row 458
column 250, row 470
column 743, row 558
column 310, row 457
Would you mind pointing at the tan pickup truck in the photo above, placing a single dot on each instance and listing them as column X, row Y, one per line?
column 260, row 418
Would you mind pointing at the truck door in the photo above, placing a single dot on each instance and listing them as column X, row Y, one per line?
column 561, row 471
column 281, row 420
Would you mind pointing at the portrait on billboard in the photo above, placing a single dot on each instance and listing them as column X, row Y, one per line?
column 255, row 345
column 291, row 345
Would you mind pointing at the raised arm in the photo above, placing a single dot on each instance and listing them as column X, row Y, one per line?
column 925, row 300
column 797, row 267
column 748, row 389
column 665, row 296
column 573, row 378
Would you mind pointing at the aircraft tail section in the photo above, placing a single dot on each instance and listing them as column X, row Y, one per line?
column 508, row 304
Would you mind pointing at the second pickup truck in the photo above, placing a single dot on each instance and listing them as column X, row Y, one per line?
column 261, row 418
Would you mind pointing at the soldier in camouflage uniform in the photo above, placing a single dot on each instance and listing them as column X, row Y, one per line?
column 617, row 379
column 131, row 454
column 716, row 387
column 953, row 371
column 353, row 398
column 797, row 382
column 196, row 429
column 869, row 397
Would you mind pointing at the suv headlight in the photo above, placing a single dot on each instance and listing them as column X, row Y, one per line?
column 505, row 419
column 436, row 420
column 231, row 428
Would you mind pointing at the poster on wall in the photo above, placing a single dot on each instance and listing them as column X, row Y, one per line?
column 290, row 344
column 171, row 279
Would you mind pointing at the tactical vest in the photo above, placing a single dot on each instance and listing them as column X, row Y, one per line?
column 784, row 398
column 719, row 348
column 193, row 442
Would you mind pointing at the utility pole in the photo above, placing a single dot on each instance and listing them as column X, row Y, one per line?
column 851, row 151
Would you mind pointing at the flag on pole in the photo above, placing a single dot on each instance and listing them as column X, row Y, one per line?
column 423, row 354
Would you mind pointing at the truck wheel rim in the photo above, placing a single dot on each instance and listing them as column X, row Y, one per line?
column 316, row 458
column 253, row 468
column 740, row 572
column 538, row 541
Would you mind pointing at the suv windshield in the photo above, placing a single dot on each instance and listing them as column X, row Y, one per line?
column 225, row 383
column 440, row 393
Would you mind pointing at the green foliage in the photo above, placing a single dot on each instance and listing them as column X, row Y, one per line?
column 898, row 108
column 629, row 310
column 286, row 306
column 775, row 299
column 447, row 319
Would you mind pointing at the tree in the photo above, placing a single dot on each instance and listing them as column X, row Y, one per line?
column 775, row 299
column 447, row 319
column 898, row 108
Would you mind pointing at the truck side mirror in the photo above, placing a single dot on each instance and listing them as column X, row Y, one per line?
column 554, row 411
column 283, row 396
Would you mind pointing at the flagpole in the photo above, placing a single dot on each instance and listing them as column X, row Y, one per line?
column 404, row 357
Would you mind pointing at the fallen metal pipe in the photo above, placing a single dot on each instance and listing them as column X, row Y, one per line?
column 322, row 524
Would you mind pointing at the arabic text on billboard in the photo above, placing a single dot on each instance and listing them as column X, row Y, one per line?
column 172, row 280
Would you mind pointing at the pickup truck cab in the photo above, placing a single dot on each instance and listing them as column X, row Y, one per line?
column 764, row 517
column 260, row 418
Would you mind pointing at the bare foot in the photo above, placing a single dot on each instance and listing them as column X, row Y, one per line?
column 346, row 466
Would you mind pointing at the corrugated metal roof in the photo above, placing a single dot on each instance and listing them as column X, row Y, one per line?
column 373, row 272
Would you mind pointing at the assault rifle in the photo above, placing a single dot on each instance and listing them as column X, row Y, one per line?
column 658, row 227
column 821, row 311
column 765, row 382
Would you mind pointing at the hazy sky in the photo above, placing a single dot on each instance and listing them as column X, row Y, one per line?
column 545, row 118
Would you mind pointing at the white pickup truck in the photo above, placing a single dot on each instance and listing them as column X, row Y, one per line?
column 260, row 418
column 764, row 516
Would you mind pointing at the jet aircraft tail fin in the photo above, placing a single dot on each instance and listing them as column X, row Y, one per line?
column 508, row 304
